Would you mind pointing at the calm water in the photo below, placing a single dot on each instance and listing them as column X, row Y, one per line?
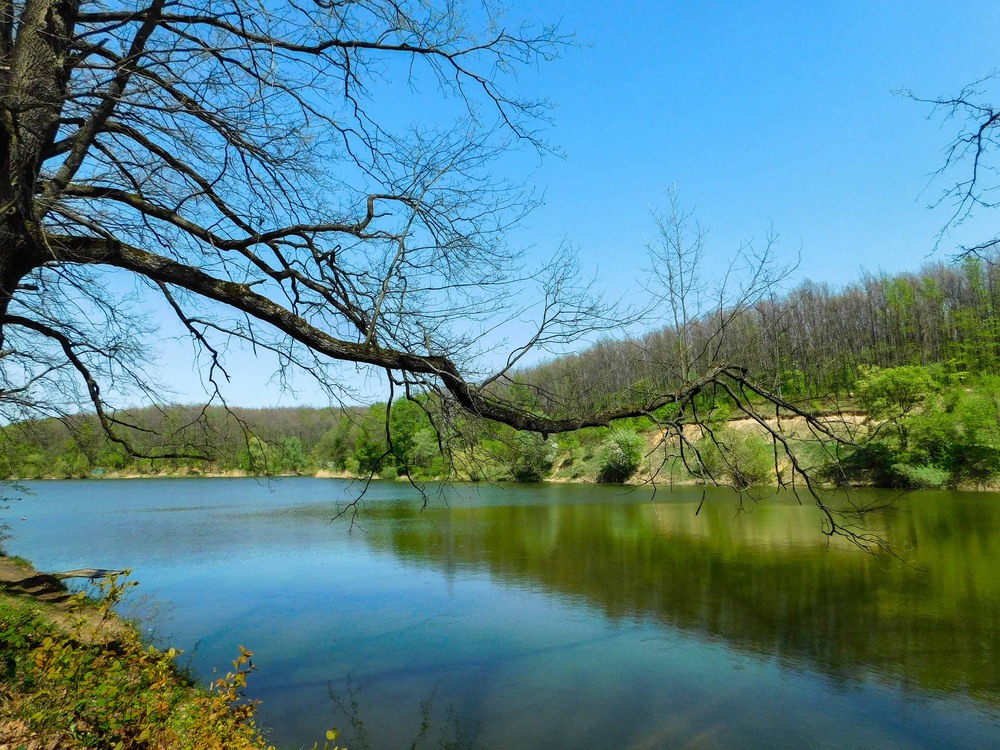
column 555, row 616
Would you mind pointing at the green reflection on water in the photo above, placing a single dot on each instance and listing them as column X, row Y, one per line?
column 561, row 616
column 764, row 581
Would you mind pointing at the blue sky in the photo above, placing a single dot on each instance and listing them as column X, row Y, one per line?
column 758, row 112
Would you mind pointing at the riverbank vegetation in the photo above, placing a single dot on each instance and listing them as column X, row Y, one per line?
column 905, row 368
column 73, row 675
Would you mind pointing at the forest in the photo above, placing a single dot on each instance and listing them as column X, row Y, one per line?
column 906, row 365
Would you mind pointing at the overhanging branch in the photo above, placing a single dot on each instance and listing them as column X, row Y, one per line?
column 242, row 297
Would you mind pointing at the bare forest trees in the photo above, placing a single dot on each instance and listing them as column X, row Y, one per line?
column 812, row 341
column 702, row 302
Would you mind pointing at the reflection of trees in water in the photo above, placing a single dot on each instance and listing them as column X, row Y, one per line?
column 763, row 582
column 436, row 729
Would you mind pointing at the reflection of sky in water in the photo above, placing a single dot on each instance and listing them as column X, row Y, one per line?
column 556, row 616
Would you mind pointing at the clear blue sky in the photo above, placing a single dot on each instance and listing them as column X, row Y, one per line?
column 757, row 111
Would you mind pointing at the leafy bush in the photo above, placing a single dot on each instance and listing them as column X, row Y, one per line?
column 620, row 456
column 954, row 438
column 292, row 455
column 744, row 458
column 505, row 454
column 533, row 457
column 370, row 451
column 921, row 477
column 893, row 391
column 425, row 454
column 258, row 457
column 99, row 686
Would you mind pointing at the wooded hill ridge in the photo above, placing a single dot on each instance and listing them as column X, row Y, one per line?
column 917, row 353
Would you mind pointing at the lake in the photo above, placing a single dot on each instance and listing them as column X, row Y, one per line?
column 554, row 616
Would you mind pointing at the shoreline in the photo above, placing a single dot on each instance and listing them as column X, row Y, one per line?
column 325, row 474
column 80, row 676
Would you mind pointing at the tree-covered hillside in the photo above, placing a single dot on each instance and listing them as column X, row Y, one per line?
column 913, row 358
column 808, row 343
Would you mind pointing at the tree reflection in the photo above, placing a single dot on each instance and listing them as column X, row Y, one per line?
column 763, row 581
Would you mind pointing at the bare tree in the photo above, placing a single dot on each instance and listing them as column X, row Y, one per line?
column 676, row 254
column 972, row 155
column 230, row 158
column 243, row 163
column 700, row 306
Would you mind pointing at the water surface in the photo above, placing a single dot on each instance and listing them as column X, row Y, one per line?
column 555, row 616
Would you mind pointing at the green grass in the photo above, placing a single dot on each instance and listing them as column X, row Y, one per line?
column 94, row 684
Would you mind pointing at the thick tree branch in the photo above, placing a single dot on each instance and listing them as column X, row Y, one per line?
column 242, row 297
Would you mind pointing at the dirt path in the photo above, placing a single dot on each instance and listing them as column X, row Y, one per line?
column 19, row 578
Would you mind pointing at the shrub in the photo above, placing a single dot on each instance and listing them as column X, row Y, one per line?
column 533, row 457
column 920, row 477
column 745, row 458
column 956, row 434
column 620, row 456
column 894, row 391
column 370, row 452
column 97, row 685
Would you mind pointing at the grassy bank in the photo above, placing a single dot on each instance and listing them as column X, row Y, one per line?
column 73, row 675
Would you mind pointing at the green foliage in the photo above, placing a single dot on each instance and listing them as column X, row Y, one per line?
column 620, row 456
column 891, row 394
column 78, row 447
column 112, row 456
column 71, row 463
column 97, row 685
column 258, row 457
column 406, row 419
column 371, row 450
column 533, row 457
column 743, row 457
column 921, row 477
column 336, row 445
column 954, row 438
column 894, row 391
column 793, row 382
column 425, row 454
column 943, row 415
column 20, row 627
column 505, row 454
column 292, row 455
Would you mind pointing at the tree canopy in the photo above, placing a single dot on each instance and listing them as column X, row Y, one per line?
column 237, row 161
column 248, row 167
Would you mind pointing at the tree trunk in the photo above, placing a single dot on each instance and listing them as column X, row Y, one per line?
column 33, row 83
column 17, row 259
